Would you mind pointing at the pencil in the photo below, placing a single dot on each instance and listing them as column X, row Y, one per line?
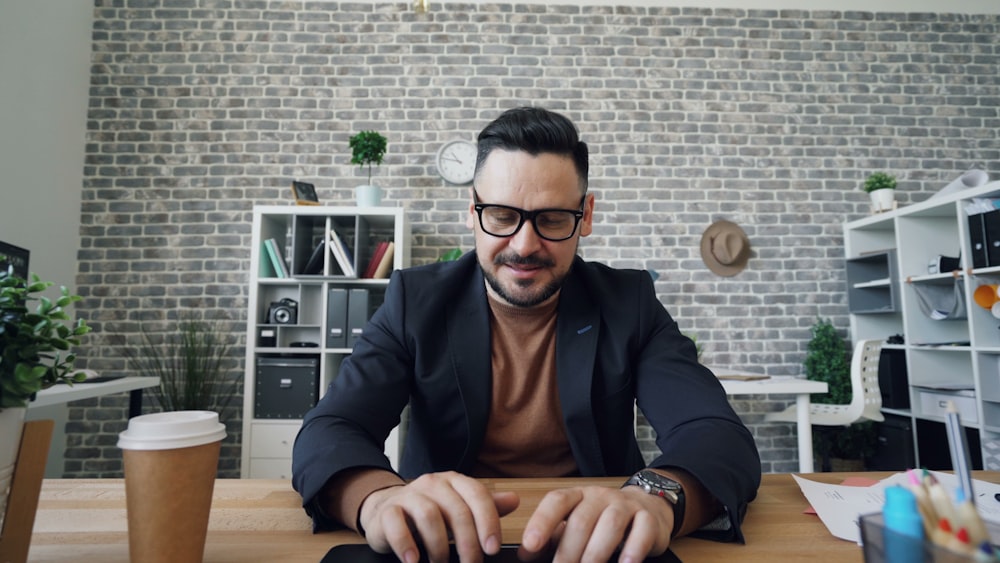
column 959, row 450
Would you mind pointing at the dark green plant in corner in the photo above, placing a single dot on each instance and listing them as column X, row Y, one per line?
column 368, row 148
column 827, row 359
column 880, row 181
column 192, row 364
column 35, row 342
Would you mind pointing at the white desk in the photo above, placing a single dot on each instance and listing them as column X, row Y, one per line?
column 52, row 403
column 781, row 385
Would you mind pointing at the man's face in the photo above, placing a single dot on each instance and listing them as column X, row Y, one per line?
column 525, row 269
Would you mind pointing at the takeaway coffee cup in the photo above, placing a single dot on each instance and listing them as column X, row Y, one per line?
column 171, row 460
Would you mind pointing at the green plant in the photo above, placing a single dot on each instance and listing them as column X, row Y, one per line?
column 367, row 147
column 880, row 181
column 192, row 364
column 827, row 359
column 35, row 343
column 451, row 255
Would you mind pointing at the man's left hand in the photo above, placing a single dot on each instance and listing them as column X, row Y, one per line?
column 590, row 523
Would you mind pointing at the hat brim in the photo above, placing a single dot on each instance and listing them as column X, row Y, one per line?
column 714, row 265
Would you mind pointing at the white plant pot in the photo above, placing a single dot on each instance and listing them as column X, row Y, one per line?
column 369, row 196
column 883, row 200
column 11, row 426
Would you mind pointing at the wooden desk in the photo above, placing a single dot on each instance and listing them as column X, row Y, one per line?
column 261, row 520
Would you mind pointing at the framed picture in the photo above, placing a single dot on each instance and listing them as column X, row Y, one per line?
column 15, row 256
column 305, row 194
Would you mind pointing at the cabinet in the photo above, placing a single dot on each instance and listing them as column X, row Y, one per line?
column 951, row 345
column 300, row 327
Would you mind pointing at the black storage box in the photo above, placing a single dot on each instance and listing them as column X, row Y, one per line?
column 894, row 451
column 893, row 379
column 286, row 387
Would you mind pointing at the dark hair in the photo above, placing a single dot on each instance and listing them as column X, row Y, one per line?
column 535, row 131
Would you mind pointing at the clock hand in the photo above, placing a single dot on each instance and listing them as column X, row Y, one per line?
column 448, row 157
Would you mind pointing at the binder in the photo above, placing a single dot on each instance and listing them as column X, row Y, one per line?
column 991, row 228
column 336, row 318
column 977, row 241
column 357, row 315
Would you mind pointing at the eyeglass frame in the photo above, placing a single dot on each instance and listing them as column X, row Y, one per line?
column 527, row 215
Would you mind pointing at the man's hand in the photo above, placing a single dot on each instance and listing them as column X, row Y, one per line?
column 589, row 523
column 429, row 510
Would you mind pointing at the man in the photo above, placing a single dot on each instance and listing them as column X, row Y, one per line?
column 522, row 360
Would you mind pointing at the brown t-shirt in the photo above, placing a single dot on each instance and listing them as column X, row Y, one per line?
column 525, row 436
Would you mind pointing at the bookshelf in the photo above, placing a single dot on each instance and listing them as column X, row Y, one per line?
column 305, row 313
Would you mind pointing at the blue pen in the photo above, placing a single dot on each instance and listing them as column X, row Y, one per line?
column 904, row 530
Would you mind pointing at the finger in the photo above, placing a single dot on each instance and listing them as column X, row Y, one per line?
column 554, row 508
column 577, row 533
column 474, row 520
column 394, row 527
column 641, row 541
column 445, row 511
column 506, row 502
column 607, row 534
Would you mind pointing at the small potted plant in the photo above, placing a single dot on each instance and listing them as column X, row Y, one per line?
column 881, row 188
column 367, row 149
column 34, row 355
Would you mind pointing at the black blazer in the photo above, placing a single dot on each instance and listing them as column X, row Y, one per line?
column 428, row 346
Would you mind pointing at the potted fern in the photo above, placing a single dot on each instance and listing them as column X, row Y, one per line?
column 881, row 187
column 35, row 341
column 367, row 149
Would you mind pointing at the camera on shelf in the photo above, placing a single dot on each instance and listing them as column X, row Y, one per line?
column 284, row 312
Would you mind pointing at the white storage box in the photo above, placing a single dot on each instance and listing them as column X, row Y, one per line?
column 934, row 402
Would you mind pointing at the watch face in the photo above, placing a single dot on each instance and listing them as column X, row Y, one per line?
column 456, row 162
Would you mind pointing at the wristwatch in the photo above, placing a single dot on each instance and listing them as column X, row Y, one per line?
column 664, row 487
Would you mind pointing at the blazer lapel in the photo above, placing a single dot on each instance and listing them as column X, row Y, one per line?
column 577, row 332
column 468, row 332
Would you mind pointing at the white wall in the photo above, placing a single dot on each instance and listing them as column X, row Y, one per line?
column 44, row 77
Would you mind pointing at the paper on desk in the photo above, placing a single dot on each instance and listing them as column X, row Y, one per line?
column 841, row 506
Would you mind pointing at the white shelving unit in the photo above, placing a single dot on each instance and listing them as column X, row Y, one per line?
column 955, row 357
column 290, row 365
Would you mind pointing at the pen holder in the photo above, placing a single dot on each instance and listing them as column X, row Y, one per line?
column 879, row 543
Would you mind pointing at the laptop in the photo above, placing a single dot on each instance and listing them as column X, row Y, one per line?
column 361, row 553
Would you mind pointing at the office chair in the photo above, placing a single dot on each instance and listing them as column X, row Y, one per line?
column 866, row 397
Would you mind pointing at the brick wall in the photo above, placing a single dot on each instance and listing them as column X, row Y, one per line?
column 201, row 109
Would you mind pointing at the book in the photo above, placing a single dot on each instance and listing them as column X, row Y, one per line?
column 315, row 264
column 385, row 264
column 375, row 259
column 266, row 268
column 339, row 251
column 277, row 260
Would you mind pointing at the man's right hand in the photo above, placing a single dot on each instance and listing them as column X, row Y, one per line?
column 430, row 511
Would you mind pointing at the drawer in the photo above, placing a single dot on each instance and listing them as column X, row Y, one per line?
column 935, row 403
column 270, row 468
column 272, row 440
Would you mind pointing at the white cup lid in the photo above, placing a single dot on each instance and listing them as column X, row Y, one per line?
column 172, row 430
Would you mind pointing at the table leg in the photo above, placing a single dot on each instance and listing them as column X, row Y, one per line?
column 804, row 429
column 134, row 403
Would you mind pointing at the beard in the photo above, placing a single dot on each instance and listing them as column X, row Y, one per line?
column 526, row 297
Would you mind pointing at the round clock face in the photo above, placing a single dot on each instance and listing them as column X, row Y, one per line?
column 456, row 162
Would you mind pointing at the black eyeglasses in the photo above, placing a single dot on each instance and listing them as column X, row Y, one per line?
column 505, row 221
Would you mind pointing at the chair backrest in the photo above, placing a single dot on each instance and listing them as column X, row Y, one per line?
column 866, row 397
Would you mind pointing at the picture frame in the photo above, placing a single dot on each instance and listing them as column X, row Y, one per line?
column 305, row 193
column 15, row 256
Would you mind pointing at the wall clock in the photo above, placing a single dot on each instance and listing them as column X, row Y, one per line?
column 456, row 162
